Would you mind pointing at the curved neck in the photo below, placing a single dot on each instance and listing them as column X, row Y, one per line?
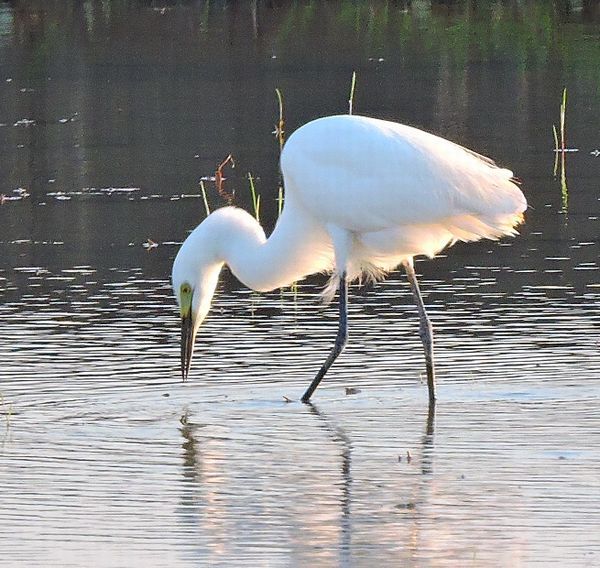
column 297, row 247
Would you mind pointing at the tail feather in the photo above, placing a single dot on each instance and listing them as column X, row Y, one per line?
column 469, row 228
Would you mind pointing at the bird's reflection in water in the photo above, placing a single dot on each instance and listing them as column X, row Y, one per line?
column 339, row 436
column 192, row 503
column 191, row 458
column 200, row 511
column 421, row 490
column 427, row 442
column 206, row 512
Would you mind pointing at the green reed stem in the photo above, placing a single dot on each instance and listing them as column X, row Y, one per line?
column 255, row 198
column 280, row 201
column 352, row 88
column 563, row 112
column 564, row 190
column 204, row 198
column 279, row 128
column 556, row 150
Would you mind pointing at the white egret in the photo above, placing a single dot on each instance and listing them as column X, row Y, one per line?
column 362, row 197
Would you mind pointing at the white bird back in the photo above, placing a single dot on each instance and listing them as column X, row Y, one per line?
column 366, row 174
column 400, row 191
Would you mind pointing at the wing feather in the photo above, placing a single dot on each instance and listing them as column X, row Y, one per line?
column 366, row 175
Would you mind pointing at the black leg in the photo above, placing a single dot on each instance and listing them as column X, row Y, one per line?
column 340, row 340
column 425, row 330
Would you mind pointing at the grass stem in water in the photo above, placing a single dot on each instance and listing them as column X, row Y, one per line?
column 352, row 88
column 255, row 198
column 203, row 190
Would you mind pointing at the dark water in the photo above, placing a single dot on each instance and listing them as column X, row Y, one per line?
column 110, row 113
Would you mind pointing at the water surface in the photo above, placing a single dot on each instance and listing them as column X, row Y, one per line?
column 110, row 113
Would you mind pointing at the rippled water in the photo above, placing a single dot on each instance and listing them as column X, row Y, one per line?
column 107, row 459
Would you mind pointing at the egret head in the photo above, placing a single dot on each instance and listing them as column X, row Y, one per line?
column 195, row 275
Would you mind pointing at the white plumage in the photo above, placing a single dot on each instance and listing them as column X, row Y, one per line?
column 362, row 196
column 400, row 191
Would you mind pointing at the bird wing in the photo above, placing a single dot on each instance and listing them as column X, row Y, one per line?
column 364, row 174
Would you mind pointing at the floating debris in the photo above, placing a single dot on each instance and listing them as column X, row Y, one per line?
column 30, row 242
column 18, row 194
column 25, row 122
column 150, row 244
column 111, row 190
column 352, row 390
column 68, row 119
column 37, row 270
column 87, row 191
column 595, row 152
column 286, row 399
column 408, row 457
column 407, row 506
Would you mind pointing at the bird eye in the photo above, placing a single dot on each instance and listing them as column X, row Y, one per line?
column 185, row 289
